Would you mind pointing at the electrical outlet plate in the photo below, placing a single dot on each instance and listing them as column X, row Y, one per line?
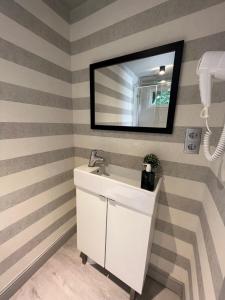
column 192, row 140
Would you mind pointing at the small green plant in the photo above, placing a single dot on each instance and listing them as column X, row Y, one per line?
column 153, row 160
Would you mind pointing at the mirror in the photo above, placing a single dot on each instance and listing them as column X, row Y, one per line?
column 136, row 92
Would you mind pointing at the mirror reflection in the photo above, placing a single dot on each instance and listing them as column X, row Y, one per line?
column 134, row 93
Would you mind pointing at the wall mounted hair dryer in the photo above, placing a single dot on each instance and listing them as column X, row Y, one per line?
column 211, row 65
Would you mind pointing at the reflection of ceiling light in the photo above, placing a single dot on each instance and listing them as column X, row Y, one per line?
column 162, row 70
column 162, row 81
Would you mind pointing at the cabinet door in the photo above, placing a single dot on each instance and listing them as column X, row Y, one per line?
column 91, row 225
column 127, row 244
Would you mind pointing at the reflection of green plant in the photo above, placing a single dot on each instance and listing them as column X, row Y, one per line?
column 163, row 98
column 153, row 160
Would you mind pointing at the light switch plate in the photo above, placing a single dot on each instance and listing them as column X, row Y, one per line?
column 192, row 140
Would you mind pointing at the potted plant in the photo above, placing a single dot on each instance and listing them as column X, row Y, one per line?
column 151, row 163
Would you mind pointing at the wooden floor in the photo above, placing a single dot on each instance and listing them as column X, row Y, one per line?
column 64, row 277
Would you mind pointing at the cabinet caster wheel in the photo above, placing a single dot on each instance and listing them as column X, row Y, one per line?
column 133, row 294
column 84, row 258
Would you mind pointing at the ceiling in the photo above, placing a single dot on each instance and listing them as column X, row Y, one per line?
column 71, row 4
column 150, row 65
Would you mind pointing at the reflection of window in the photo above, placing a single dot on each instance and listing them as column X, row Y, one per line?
column 162, row 98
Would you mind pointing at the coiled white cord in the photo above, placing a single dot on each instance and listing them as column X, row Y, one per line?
column 206, row 140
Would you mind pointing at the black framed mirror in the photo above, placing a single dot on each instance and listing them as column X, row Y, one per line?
column 136, row 92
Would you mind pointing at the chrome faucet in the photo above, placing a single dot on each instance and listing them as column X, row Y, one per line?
column 95, row 158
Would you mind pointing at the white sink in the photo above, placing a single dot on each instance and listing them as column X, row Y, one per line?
column 119, row 184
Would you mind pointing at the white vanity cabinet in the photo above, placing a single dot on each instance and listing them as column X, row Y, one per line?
column 91, row 225
column 114, row 236
column 127, row 244
column 115, row 229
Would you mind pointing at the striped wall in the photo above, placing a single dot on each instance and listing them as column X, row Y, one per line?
column 113, row 96
column 37, row 197
column 44, row 60
column 187, row 245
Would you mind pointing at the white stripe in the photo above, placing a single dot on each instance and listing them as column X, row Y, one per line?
column 22, row 112
column 177, row 29
column 15, row 271
column 30, row 232
column 178, row 217
column 18, row 212
column 19, row 180
column 175, row 271
column 218, row 166
column 79, row 161
column 81, row 89
column 47, row 15
column 108, row 82
column 186, row 115
column 81, row 116
column 166, row 151
column 19, row 75
column 111, row 14
column 24, row 38
column 117, row 69
column 189, row 115
column 110, row 101
column 207, row 276
column 28, row 146
column 184, row 187
column 188, row 77
column 112, row 118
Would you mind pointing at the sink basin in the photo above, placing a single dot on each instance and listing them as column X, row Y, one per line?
column 119, row 184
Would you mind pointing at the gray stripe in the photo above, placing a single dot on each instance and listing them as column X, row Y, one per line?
column 189, row 237
column 109, row 73
column 158, row 15
column 14, row 286
column 182, row 203
column 80, row 76
column 215, row 267
column 217, row 191
column 222, row 291
column 16, row 12
column 84, row 129
column 195, row 48
column 171, row 256
column 112, row 93
column 29, row 246
column 114, row 123
column 18, row 164
column 181, row 170
column 23, row 130
column 27, row 59
column 87, row 8
column 198, row 270
column 17, row 227
column 16, row 93
column 189, row 95
column 176, row 259
column 81, row 103
column 166, row 280
column 60, row 8
column 100, row 108
column 32, row 190
column 192, row 51
column 186, row 171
